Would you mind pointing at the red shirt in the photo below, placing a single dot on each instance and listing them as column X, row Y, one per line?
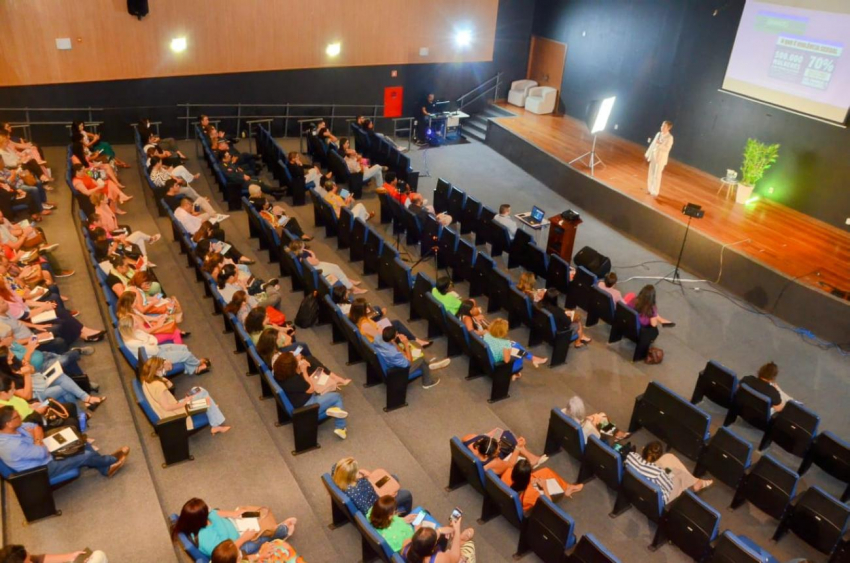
column 395, row 194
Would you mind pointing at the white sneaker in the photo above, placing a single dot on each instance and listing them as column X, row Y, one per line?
column 440, row 364
column 341, row 432
column 437, row 382
column 49, row 247
column 336, row 412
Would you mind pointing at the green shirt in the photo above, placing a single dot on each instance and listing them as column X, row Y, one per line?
column 449, row 301
column 24, row 409
column 396, row 533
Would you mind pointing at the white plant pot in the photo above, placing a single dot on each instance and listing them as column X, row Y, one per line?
column 743, row 193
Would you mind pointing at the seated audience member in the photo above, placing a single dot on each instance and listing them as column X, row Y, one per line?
column 210, row 527
column 257, row 321
column 354, row 482
column 171, row 353
column 424, row 546
column 106, row 219
column 337, row 202
column 528, row 285
column 160, row 172
column 29, row 412
column 106, row 246
column 356, row 163
column 274, row 551
column 269, row 350
column 95, row 143
column 397, row 530
column 499, row 450
column 19, row 554
column 647, row 310
column 365, row 318
column 765, row 383
column 157, row 390
column 33, row 385
column 504, row 218
column 275, row 215
column 565, row 319
column 87, row 185
column 444, row 293
column 167, row 158
column 13, row 158
column 21, row 144
column 260, row 294
column 501, row 349
column 665, row 471
column 174, row 192
column 328, row 269
column 311, row 173
column 396, row 351
column 238, row 306
column 136, row 300
column 472, row 317
column 323, row 132
column 591, row 424
column 95, row 165
column 236, row 174
column 209, row 238
column 147, row 135
column 14, row 191
column 531, row 484
column 65, row 330
column 418, row 208
column 192, row 220
column 396, row 189
column 607, row 285
column 22, row 448
column 295, row 376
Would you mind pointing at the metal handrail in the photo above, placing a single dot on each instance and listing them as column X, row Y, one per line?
column 28, row 123
column 461, row 102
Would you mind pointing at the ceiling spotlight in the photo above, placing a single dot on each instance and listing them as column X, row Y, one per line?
column 333, row 49
column 463, row 38
column 178, row 44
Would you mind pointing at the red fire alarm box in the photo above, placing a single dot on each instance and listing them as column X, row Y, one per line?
column 393, row 97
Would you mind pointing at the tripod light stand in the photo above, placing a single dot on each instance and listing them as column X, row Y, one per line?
column 693, row 211
column 598, row 112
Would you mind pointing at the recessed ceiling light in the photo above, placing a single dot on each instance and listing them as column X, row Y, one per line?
column 333, row 49
column 178, row 44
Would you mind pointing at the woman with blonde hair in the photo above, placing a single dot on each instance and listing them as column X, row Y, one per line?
column 354, row 482
column 528, row 285
column 157, row 390
column 503, row 350
column 162, row 327
column 298, row 248
column 134, row 339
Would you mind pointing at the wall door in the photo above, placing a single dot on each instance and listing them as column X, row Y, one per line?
column 546, row 60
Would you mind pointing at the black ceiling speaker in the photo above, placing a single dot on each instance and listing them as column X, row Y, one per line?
column 138, row 8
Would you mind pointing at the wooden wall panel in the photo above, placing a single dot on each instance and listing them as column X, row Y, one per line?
column 546, row 61
column 226, row 36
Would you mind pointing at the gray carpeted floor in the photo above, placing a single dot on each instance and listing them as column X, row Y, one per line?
column 252, row 463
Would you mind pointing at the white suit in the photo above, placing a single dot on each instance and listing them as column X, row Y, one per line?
column 657, row 155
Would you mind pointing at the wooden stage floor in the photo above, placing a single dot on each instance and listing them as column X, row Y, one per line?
column 781, row 238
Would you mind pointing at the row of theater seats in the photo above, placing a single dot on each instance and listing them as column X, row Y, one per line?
column 275, row 159
column 582, row 291
column 379, row 151
column 814, row 515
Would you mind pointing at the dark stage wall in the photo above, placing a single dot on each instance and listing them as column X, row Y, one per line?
column 350, row 85
column 665, row 59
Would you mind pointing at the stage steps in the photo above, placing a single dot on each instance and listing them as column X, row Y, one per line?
column 476, row 125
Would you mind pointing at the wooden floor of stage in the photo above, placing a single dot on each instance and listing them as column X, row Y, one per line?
column 814, row 246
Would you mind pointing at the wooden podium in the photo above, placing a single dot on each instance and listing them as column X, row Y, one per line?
column 562, row 237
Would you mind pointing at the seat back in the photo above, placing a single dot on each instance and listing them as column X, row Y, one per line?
column 436, row 315
column 189, row 545
column 626, row 322
column 727, row 457
column 464, row 461
column 469, row 215
column 448, row 245
column 601, row 305
column 769, row 486
column 457, row 198
column 385, row 266
column 830, row 453
column 691, row 525
column 819, row 519
column 643, row 495
column 358, row 240
column 753, row 407
column 535, row 259
column 673, row 419
column 480, row 353
column 373, row 539
column 519, row 307
column 480, row 274
column 566, row 433
column 602, row 461
column 373, row 248
column 498, row 237
column 549, row 530
column 793, row 429
column 441, row 196
column 580, row 286
column 716, row 382
column 731, row 549
column 498, row 285
column 402, row 281
column 589, row 550
column 458, row 336
column 340, row 499
column 463, row 261
column 517, row 247
column 504, row 497
column 558, row 274
column 422, row 285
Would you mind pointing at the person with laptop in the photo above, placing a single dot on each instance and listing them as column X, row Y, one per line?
column 504, row 218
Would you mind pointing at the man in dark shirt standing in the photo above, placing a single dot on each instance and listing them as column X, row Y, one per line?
column 426, row 110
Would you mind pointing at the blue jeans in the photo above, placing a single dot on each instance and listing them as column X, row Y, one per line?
column 327, row 401
column 89, row 458
column 179, row 354
column 214, row 414
column 252, row 547
column 68, row 361
column 65, row 390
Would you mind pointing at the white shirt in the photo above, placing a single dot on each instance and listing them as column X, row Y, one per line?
column 507, row 222
column 659, row 149
column 189, row 221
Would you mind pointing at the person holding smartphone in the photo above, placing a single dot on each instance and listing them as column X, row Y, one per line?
column 18, row 553
column 424, row 546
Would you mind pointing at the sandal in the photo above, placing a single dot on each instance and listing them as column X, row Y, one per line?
column 96, row 337
column 94, row 406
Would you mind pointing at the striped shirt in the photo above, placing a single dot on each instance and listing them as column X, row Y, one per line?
column 652, row 473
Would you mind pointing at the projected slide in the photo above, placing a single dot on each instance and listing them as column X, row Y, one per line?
column 794, row 57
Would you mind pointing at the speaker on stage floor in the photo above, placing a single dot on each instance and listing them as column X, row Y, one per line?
column 592, row 261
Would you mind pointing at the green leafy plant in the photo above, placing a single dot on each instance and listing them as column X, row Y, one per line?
column 758, row 157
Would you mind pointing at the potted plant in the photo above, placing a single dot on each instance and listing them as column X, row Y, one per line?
column 758, row 157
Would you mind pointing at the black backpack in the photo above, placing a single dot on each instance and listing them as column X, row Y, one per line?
column 308, row 311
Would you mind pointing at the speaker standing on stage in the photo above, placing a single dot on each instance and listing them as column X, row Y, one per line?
column 428, row 108
column 657, row 155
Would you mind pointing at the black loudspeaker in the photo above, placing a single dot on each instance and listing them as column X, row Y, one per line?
column 596, row 263
column 138, row 8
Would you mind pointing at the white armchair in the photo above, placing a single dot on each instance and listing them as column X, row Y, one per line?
column 519, row 91
column 541, row 100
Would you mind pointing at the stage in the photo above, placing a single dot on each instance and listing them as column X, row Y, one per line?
column 780, row 260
